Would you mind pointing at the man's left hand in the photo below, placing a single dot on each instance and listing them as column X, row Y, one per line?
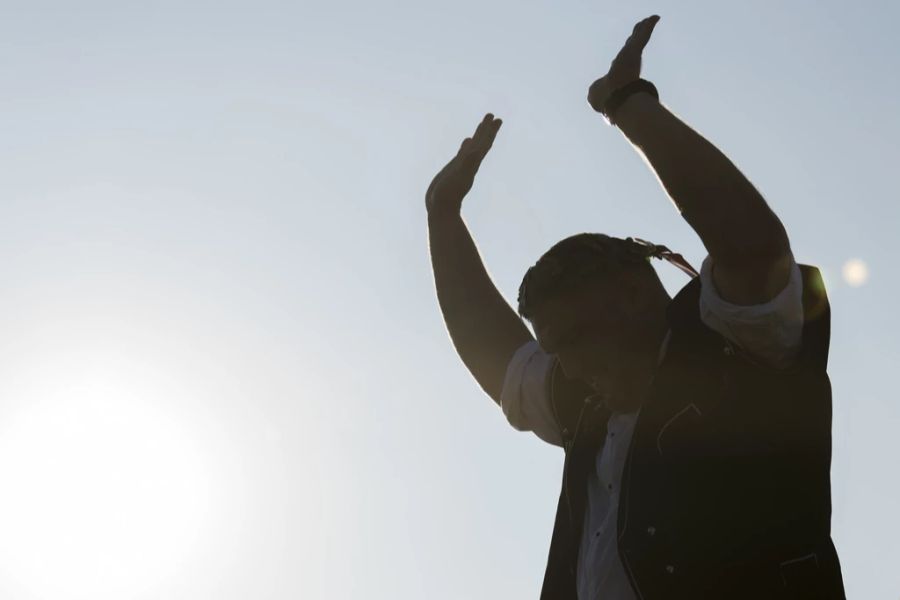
column 625, row 67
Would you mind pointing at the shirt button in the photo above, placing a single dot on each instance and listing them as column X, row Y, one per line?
column 670, row 569
column 651, row 530
column 565, row 431
column 609, row 486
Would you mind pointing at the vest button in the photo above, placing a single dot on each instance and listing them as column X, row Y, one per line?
column 728, row 350
column 670, row 569
column 651, row 530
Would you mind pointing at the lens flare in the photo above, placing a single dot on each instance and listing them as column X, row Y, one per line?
column 855, row 272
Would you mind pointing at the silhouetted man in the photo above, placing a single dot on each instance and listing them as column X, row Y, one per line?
column 696, row 430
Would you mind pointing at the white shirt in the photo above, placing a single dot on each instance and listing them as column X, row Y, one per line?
column 770, row 332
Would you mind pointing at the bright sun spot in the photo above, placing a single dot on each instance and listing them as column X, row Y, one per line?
column 104, row 493
column 855, row 272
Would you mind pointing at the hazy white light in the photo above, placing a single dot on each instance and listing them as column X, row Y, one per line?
column 855, row 272
column 104, row 494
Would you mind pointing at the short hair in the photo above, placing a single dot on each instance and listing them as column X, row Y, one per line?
column 580, row 259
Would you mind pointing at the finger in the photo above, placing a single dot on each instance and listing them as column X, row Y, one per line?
column 491, row 134
column 644, row 22
column 487, row 135
column 640, row 35
column 469, row 144
column 483, row 138
column 482, row 127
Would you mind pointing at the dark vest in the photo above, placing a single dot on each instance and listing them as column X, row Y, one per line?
column 726, row 489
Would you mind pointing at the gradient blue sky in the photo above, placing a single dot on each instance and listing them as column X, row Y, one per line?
column 222, row 367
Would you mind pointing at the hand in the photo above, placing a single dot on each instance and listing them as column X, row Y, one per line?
column 625, row 67
column 453, row 182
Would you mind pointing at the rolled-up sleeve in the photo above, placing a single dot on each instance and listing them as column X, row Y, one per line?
column 770, row 332
column 525, row 398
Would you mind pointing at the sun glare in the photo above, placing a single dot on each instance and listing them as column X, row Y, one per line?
column 855, row 272
column 104, row 492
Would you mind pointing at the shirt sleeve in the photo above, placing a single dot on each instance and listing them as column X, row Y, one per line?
column 525, row 398
column 770, row 332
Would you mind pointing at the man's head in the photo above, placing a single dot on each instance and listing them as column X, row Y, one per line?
column 596, row 302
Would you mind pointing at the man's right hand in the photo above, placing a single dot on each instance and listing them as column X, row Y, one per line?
column 485, row 330
column 453, row 182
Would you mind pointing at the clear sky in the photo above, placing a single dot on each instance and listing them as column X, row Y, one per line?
column 223, row 373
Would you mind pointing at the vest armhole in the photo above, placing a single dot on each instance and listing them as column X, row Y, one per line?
column 816, row 318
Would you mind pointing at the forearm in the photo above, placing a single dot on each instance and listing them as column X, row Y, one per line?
column 717, row 200
column 484, row 329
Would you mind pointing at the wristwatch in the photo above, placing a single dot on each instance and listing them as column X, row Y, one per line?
column 618, row 97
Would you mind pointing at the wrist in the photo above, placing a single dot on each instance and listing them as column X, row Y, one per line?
column 624, row 93
column 633, row 108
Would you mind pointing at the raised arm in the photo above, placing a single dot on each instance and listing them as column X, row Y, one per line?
column 747, row 242
column 485, row 330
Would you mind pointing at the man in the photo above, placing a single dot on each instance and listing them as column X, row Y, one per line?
column 696, row 429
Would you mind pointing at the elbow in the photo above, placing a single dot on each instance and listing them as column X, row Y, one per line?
column 752, row 242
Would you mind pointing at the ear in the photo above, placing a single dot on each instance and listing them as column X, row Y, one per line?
column 637, row 293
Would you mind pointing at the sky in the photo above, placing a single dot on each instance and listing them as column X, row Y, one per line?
column 223, row 371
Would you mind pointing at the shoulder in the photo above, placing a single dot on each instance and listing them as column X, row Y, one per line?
column 526, row 398
column 773, row 332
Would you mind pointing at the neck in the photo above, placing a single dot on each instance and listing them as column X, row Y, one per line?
column 637, row 379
